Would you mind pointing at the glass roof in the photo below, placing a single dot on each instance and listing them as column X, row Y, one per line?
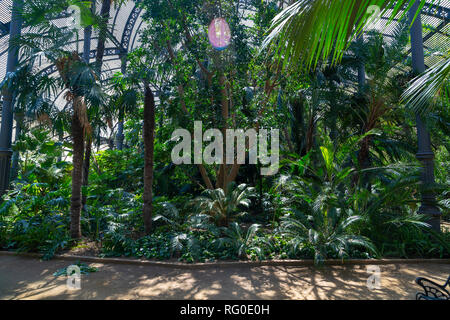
column 126, row 21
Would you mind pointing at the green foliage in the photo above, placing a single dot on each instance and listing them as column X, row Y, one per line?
column 119, row 243
column 32, row 213
column 324, row 203
column 221, row 206
column 308, row 31
column 84, row 269
column 327, row 233
column 240, row 241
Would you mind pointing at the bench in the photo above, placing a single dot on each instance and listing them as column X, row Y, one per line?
column 432, row 290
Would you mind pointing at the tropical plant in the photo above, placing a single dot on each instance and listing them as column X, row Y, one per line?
column 430, row 87
column 327, row 232
column 223, row 206
column 310, row 30
column 241, row 241
column 46, row 40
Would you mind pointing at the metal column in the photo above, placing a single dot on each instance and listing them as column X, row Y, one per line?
column 425, row 154
column 8, row 99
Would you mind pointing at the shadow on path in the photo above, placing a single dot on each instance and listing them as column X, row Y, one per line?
column 27, row 278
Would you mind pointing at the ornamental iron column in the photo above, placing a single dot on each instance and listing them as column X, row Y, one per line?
column 425, row 154
column 8, row 98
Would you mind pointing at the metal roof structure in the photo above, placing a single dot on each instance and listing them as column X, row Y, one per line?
column 436, row 29
column 126, row 22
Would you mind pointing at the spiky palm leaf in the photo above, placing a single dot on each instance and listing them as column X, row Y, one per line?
column 432, row 85
column 324, row 231
column 220, row 205
column 310, row 30
column 239, row 240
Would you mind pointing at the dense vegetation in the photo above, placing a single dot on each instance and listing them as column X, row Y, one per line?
column 348, row 184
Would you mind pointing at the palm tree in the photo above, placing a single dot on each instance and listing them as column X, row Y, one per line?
column 142, row 76
column 103, row 28
column 310, row 30
column 379, row 99
column 76, row 77
column 80, row 127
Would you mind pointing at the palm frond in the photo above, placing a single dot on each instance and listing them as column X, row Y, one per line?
column 310, row 30
column 425, row 89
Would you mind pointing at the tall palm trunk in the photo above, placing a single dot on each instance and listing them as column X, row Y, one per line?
column 88, row 150
column 86, row 166
column 222, row 177
column 149, row 135
column 105, row 14
column 77, row 171
column 80, row 126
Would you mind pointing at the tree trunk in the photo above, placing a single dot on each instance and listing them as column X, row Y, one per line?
column 149, row 135
column 86, row 166
column 363, row 155
column 223, row 172
column 105, row 11
column 363, row 159
column 77, row 171
column 16, row 154
column 120, row 136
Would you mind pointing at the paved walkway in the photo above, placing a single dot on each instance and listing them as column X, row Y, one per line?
column 28, row 278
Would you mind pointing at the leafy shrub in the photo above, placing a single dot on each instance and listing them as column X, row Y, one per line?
column 223, row 206
column 240, row 242
column 32, row 219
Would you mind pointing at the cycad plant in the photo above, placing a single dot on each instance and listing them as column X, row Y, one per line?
column 320, row 212
column 223, row 206
column 241, row 240
column 327, row 212
column 326, row 231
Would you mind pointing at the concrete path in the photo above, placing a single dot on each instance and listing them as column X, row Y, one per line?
column 28, row 278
